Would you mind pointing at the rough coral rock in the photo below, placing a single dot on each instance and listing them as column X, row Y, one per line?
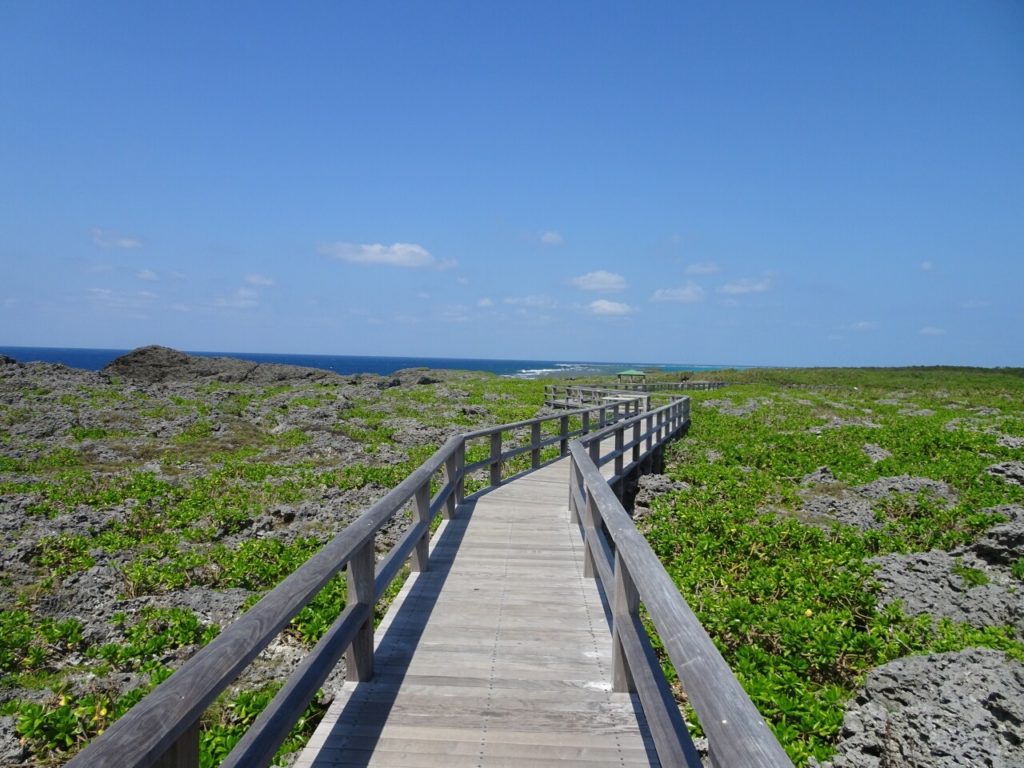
column 945, row 710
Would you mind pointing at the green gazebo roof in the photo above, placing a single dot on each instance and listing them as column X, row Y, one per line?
column 632, row 372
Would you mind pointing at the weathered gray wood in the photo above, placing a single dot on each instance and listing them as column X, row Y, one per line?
column 497, row 656
column 420, row 556
column 625, row 603
column 495, row 464
column 184, row 753
column 260, row 743
column 359, row 656
column 735, row 729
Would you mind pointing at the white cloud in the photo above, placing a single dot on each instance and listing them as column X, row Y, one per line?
column 600, row 281
column 147, row 274
column 863, row 325
column 462, row 280
column 395, row 255
column 485, row 302
column 422, row 295
column 702, row 268
column 132, row 302
column 613, row 308
column 531, row 301
column 926, row 266
column 108, row 238
column 974, row 304
column 254, row 278
column 688, row 293
column 747, row 285
column 929, row 330
column 551, row 238
column 243, row 298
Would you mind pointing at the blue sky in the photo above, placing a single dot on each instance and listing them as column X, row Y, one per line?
column 736, row 183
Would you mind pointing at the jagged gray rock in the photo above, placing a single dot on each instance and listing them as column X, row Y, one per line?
column 1008, row 471
column 946, row 710
column 155, row 364
column 928, row 583
column 876, row 452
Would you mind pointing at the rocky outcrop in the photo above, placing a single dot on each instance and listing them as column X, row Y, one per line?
column 154, row 364
column 946, row 710
column 1008, row 471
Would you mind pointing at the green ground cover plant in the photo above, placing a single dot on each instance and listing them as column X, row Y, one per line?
column 791, row 602
column 236, row 452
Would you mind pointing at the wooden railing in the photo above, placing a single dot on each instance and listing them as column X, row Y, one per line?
column 576, row 396
column 670, row 386
column 163, row 728
column 631, row 574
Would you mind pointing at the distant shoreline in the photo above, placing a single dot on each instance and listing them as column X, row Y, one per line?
column 96, row 359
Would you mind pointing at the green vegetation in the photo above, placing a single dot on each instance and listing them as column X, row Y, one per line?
column 792, row 605
column 219, row 457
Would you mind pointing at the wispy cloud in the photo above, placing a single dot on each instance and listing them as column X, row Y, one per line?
column 606, row 282
column 116, row 300
column 254, row 278
column 147, row 274
column 551, row 238
column 243, row 298
column 747, row 285
column 930, row 330
column 485, row 302
column 863, row 325
column 108, row 238
column 702, row 268
column 394, row 255
column 974, row 304
column 538, row 302
column 926, row 266
column 612, row 308
column 689, row 293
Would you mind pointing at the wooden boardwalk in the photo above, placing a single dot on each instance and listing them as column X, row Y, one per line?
column 500, row 655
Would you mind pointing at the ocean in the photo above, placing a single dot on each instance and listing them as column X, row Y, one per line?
column 95, row 359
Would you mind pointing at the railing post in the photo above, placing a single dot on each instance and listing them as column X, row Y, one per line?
column 589, row 530
column 595, row 452
column 563, row 430
column 359, row 656
column 586, row 422
column 453, row 475
column 421, row 555
column 601, row 421
column 649, row 426
column 619, row 442
column 535, row 445
column 625, row 604
column 575, row 482
column 496, row 458
column 636, row 441
column 184, row 753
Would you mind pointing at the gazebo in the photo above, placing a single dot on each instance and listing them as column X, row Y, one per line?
column 632, row 376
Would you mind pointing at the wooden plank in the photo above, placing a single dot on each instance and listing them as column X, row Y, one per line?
column 503, row 644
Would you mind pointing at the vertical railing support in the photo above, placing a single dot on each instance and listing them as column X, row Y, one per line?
column 496, row 458
column 453, row 476
column 619, row 442
column 421, row 554
column 563, row 431
column 359, row 656
column 586, row 422
column 625, row 604
column 589, row 531
column 535, row 445
column 636, row 442
column 184, row 753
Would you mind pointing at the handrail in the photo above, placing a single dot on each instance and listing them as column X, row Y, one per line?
column 162, row 729
column 617, row 554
